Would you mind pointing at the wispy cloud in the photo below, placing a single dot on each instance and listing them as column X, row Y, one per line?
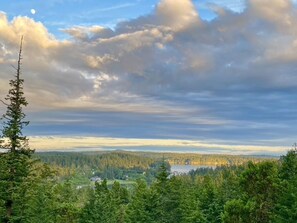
column 91, row 143
column 115, row 7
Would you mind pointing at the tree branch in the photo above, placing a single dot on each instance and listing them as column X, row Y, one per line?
column 13, row 67
column 3, row 102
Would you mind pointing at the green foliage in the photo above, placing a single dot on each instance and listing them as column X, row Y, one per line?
column 208, row 159
column 260, row 184
column 13, row 120
column 210, row 201
column 36, row 199
column 97, row 161
column 287, row 197
column 15, row 162
column 139, row 209
column 252, row 193
column 259, row 188
column 14, row 169
column 65, row 206
column 164, row 201
column 105, row 205
column 227, row 194
column 238, row 211
column 114, row 165
column 189, row 207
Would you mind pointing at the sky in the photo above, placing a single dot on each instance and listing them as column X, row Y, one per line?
column 209, row 76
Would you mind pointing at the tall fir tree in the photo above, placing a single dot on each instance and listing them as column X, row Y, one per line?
column 14, row 119
column 15, row 152
column 259, row 189
column 101, row 206
column 285, row 211
column 160, row 192
column 139, row 208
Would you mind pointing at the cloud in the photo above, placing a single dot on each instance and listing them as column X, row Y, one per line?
column 279, row 11
column 177, row 14
column 88, row 33
column 232, row 77
column 46, row 76
column 115, row 7
column 103, row 143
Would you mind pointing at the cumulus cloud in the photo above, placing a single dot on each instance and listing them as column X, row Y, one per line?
column 88, row 33
column 177, row 14
column 170, row 61
column 280, row 12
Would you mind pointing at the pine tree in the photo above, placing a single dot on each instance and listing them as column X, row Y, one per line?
column 211, row 206
column 15, row 160
column 162, row 178
column 160, row 192
column 101, row 206
column 287, row 197
column 259, row 189
column 12, row 138
column 140, row 208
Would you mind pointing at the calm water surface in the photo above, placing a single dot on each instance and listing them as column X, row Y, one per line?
column 186, row 168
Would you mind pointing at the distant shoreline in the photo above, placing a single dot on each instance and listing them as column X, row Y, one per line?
column 184, row 159
column 109, row 150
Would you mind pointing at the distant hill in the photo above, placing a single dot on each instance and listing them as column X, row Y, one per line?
column 124, row 159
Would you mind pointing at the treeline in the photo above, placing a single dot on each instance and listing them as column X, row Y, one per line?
column 251, row 193
column 123, row 159
column 208, row 159
column 107, row 165
column 96, row 160
column 124, row 165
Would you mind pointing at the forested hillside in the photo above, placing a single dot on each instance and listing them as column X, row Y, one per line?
column 252, row 192
column 123, row 165
column 207, row 159
column 107, row 165
column 99, row 161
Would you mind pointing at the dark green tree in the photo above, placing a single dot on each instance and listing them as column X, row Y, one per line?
column 102, row 206
column 120, row 197
column 15, row 160
column 287, row 197
column 238, row 211
column 65, row 203
column 39, row 196
column 139, row 209
column 210, row 201
column 189, row 206
column 259, row 189
column 160, row 191
column 14, row 119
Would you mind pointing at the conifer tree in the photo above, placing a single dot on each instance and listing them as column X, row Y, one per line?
column 160, row 192
column 15, row 153
column 287, row 197
column 12, row 138
column 259, row 189
column 101, row 206
column 139, row 209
